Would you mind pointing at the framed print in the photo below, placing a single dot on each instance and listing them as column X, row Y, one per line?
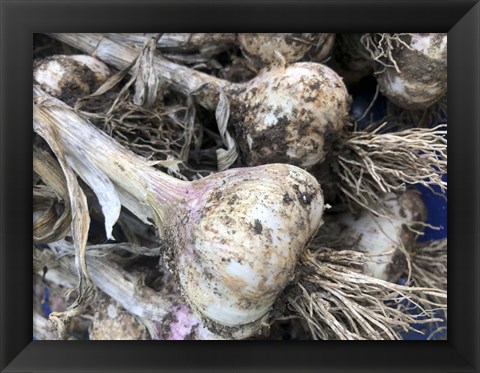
column 144, row 190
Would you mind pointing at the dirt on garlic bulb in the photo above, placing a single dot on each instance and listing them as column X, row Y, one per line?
column 290, row 114
column 421, row 78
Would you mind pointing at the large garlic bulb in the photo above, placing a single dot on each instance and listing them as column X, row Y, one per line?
column 287, row 114
column 236, row 248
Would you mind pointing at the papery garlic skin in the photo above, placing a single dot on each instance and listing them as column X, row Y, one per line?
column 290, row 114
column 422, row 79
column 70, row 77
column 241, row 238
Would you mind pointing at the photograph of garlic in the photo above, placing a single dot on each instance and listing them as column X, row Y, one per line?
column 239, row 186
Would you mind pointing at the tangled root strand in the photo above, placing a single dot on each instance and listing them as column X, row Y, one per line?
column 337, row 301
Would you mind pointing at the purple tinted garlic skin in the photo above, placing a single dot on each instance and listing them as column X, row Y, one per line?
column 264, row 47
column 290, row 114
column 234, row 249
column 70, row 77
column 180, row 324
column 422, row 79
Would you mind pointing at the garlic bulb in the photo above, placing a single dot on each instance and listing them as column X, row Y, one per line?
column 385, row 239
column 286, row 114
column 246, row 228
column 290, row 114
column 292, row 47
column 70, row 77
column 421, row 77
column 231, row 238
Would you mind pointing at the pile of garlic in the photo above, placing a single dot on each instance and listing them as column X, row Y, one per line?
column 235, row 217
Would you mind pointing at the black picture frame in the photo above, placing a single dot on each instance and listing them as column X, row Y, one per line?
column 19, row 19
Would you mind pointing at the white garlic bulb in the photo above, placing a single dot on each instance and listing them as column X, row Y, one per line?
column 287, row 114
column 265, row 47
column 386, row 240
column 238, row 250
column 422, row 79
